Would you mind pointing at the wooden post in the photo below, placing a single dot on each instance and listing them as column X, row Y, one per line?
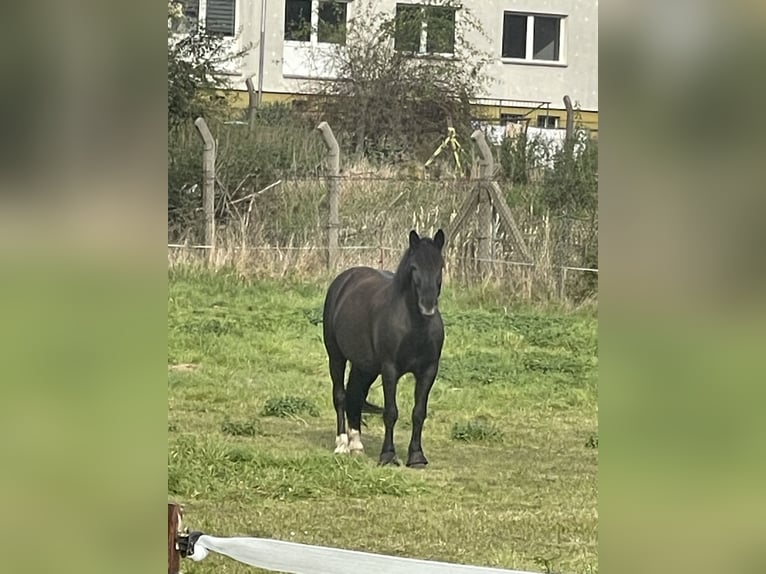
column 208, row 185
column 486, row 169
column 174, row 526
column 506, row 216
column 333, row 193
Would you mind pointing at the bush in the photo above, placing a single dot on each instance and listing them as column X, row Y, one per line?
column 476, row 429
column 570, row 185
column 289, row 406
column 250, row 427
column 282, row 143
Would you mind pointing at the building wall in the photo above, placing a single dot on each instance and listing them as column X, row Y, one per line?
column 287, row 66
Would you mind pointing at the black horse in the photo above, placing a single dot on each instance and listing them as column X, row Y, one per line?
column 387, row 324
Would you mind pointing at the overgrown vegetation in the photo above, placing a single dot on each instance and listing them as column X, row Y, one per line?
column 509, row 502
column 246, row 427
column 403, row 78
column 195, row 60
column 389, row 111
column 289, row 406
column 477, row 429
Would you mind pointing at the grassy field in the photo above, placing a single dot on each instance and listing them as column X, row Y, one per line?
column 511, row 437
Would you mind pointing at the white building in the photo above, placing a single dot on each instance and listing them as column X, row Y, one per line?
column 541, row 50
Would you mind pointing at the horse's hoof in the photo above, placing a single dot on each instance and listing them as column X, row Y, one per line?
column 389, row 458
column 417, row 460
column 341, row 444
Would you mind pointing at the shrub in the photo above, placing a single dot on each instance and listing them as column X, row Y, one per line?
column 250, row 427
column 477, row 429
column 289, row 406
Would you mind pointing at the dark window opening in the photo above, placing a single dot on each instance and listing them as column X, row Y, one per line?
column 514, row 36
column 190, row 20
column 407, row 27
column 440, row 30
column 547, row 122
column 438, row 22
column 332, row 22
column 298, row 20
column 546, row 41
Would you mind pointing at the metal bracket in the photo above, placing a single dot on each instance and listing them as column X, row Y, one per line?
column 185, row 542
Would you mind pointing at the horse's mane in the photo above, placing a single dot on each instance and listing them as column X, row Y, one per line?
column 402, row 270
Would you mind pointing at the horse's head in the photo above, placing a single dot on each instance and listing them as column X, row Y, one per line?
column 425, row 268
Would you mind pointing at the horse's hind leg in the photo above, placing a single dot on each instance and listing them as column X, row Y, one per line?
column 358, row 384
column 337, row 374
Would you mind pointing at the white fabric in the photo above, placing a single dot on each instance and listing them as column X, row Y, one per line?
column 294, row 558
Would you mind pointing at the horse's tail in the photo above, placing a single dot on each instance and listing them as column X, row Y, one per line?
column 368, row 407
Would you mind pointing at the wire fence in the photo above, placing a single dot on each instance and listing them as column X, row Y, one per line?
column 282, row 225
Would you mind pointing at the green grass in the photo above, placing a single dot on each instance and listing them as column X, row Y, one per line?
column 511, row 436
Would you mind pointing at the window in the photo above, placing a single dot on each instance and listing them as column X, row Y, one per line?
column 220, row 17
column 322, row 21
column 532, row 37
column 190, row 20
column 440, row 30
column 424, row 29
column 332, row 22
column 550, row 122
column 298, row 20
column 506, row 118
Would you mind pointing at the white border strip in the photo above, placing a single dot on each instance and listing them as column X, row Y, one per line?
column 294, row 558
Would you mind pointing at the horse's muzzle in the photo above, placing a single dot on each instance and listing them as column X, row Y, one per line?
column 427, row 312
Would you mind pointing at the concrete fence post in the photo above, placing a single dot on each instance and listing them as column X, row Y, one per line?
column 333, row 193
column 252, row 103
column 570, row 118
column 208, row 185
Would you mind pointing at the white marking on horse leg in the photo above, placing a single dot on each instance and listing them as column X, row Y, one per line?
column 341, row 444
column 355, row 441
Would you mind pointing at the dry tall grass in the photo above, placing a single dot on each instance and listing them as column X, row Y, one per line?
column 284, row 232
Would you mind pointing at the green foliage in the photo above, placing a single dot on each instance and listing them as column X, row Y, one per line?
column 476, row 429
column 289, row 406
column 538, row 479
column 194, row 64
column 281, row 143
column 565, row 180
column 199, row 466
column 514, row 155
column 571, row 184
column 395, row 95
column 249, row 427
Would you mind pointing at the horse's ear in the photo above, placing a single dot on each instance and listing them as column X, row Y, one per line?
column 414, row 238
column 439, row 239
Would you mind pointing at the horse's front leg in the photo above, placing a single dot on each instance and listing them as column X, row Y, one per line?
column 390, row 413
column 423, row 383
